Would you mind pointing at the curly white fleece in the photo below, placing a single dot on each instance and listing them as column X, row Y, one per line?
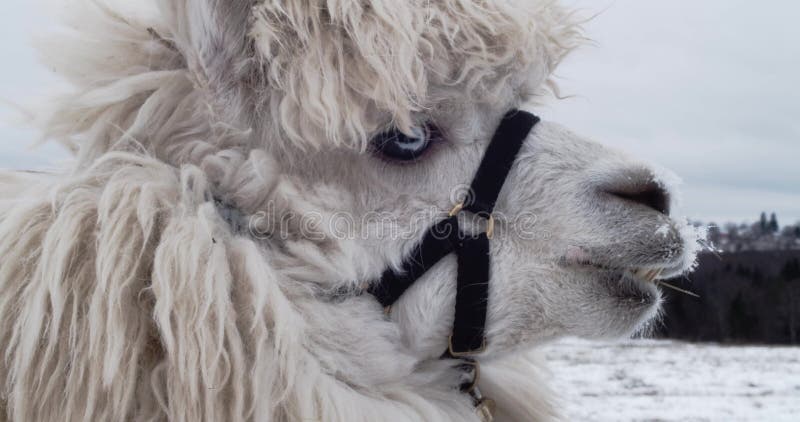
column 125, row 296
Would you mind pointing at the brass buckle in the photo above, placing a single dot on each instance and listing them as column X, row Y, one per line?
column 456, row 209
column 490, row 227
column 489, row 224
column 486, row 409
column 468, row 352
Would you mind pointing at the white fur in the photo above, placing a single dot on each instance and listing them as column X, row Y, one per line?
column 125, row 294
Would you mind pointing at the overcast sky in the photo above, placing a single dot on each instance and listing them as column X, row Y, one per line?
column 709, row 89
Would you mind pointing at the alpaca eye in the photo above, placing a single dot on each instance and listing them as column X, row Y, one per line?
column 396, row 145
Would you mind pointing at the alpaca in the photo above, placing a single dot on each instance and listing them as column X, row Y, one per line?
column 206, row 255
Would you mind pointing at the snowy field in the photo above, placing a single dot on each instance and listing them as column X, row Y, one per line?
column 646, row 380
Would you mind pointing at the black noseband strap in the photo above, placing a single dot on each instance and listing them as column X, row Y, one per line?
column 498, row 160
column 445, row 237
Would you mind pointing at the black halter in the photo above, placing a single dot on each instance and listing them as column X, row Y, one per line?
column 445, row 237
column 472, row 294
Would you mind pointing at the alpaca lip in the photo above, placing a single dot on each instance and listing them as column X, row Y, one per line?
column 578, row 257
column 634, row 284
column 639, row 286
column 647, row 274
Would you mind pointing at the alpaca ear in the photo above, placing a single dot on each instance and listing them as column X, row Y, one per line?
column 211, row 34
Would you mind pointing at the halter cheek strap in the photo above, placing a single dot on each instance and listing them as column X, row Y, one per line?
column 445, row 237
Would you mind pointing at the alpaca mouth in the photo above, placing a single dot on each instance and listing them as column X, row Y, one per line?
column 646, row 269
column 641, row 283
column 635, row 286
column 645, row 275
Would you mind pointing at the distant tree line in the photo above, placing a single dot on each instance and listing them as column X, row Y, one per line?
column 745, row 297
column 764, row 235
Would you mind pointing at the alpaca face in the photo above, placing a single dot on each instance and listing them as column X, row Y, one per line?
column 575, row 222
column 378, row 116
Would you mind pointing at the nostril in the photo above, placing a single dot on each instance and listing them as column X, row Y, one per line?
column 650, row 195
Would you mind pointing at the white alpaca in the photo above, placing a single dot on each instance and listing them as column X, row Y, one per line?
column 173, row 274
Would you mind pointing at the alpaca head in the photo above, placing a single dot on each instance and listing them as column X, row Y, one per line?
column 375, row 116
column 364, row 122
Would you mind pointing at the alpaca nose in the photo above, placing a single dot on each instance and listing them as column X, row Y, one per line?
column 640, row 188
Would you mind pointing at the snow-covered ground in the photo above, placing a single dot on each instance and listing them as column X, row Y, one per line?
column 647, row 380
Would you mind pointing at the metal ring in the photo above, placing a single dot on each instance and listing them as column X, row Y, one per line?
column 485, row 410
column 476, row 377
column 457, row 209
column 490, row 226
column 490, row 219
column 468, row 352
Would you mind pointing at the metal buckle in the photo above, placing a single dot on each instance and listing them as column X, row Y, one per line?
column 486, row 409
column 476, row 369
column 489, row 224
column 490, row 227
column 456, row 209
column 466, row 353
